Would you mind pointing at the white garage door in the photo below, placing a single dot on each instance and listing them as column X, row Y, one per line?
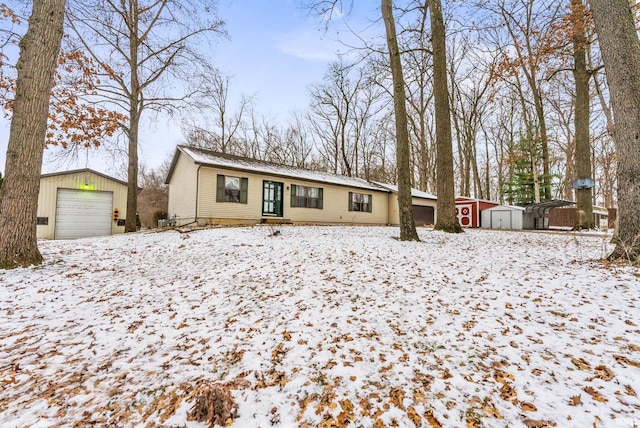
column 500, row 219
column 82, row 213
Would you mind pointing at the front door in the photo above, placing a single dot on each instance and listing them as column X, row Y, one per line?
column 272, row 198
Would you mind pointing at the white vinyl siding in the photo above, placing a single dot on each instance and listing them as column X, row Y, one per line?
column 83, row 213
column 334, row 206
column 182, row 188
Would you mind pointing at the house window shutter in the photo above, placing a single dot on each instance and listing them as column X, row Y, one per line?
column 370, row 203
column 350, row 201
column 320, row 192
column 244, row 190
column 220, row 189
column 293, row 196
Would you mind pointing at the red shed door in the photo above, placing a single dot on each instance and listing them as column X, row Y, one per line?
column 465, row 214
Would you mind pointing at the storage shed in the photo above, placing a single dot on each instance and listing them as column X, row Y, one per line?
column 79, row 204
column 468, row 210
column 505, row 217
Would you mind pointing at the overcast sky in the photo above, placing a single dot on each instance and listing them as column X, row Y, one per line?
column 275, row 51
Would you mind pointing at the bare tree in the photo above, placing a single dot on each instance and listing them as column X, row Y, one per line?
column 620, row 48
column 447, row 219
column 405, row 206
column 19, row 194
column 333, row 103
column 298, row 142
column 418, row 74
column 153, row 199
column 562, row 102
column 526, row 48
column 470, row 93
column 584, row 195
column 222, row 123
column 138, row 43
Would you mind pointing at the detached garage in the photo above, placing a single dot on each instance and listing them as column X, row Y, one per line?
column 80, row 204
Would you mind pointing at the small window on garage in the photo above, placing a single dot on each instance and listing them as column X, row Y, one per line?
column 42, row 221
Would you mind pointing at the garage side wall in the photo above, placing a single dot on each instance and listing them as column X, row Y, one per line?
column 87, row 181
column 394, row 214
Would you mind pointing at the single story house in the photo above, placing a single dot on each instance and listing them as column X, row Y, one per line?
column 80, row 203
column 207, row 187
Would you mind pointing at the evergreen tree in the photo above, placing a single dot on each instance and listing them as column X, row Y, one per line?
column 520, row 190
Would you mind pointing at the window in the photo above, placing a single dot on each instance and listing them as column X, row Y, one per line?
column 231, row 189
column 43, row 221
column 306, row 197
column 359, row 202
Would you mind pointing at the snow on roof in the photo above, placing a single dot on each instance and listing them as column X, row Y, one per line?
column 414, row 192
column 470, row 199
column 211, row 158
column 503, row 207
column 81, row 171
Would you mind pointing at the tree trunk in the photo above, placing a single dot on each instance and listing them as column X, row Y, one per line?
column 407, row 224
column 19, row 195
column 132, row 172
column 621, row 54
column 447, row 219
column 583, row 146
column 135, row 108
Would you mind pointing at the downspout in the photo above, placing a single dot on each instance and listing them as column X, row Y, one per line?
column 197, row 193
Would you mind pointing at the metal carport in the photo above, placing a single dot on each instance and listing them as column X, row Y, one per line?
column 536, row 216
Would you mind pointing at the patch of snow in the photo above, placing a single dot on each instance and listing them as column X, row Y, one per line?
column 333, row 325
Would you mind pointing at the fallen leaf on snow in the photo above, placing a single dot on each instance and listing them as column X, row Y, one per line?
column 575, row 400
column 530, row 423
column 213, row 405
column 397, row 396
column 625, row 361
column 602, row 372
column 432, row 419
column 594, row 394
column 414, row 417
column 581, row 363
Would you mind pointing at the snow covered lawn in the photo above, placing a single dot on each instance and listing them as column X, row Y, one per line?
column 323, row 326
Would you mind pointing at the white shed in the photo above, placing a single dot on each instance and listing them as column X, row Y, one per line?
column 502, row 217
